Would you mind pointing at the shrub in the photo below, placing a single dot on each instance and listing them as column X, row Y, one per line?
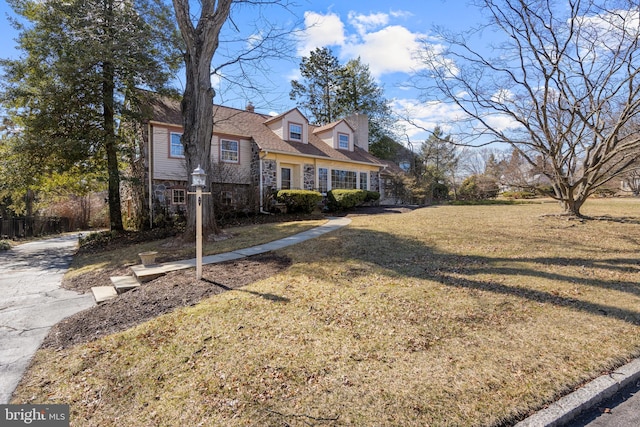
column 545, row 190
column 440, row 192
column 604, row 192
column 5, row 245
column 519, row 194
column 372, row 196
column 304, row 201
column 341, row 200
column 478, row 187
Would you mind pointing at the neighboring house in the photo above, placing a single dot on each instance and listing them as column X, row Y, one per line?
column 253, row 155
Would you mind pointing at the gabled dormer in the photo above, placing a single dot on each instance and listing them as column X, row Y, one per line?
column 291, row 126
column 338, row 135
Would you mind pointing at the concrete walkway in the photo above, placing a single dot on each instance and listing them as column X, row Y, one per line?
column 332, row 224
column 32, row 302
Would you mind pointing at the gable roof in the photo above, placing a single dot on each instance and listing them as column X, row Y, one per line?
column 329, row 126
column 250, row 125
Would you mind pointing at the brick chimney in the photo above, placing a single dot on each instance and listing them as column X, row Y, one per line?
column 250, row 108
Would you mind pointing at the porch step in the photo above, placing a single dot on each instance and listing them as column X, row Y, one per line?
column 124, row 283
column 103, row 293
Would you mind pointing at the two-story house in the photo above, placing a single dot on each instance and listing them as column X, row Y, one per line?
column 254, row 154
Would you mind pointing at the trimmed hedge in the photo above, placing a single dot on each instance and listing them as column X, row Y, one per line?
column 304, row 201
column 372, row 196
column 342, row 200
column 519, row 194
column 5, row 245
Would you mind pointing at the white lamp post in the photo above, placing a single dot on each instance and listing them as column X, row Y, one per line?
column 198, row 180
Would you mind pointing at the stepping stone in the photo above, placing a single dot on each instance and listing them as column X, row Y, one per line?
column 146, row 274
column 103, row 293
column 124, row 283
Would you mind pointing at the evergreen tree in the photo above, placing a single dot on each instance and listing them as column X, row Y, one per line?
column 66, row 94
column 330, row 91
column 440, row 160
column 317, row 94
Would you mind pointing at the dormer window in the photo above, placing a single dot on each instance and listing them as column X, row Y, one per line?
column 343, row 141
column 295, row 132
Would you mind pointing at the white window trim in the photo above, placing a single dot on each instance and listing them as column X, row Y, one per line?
column 237, row 151
column 290, row 124
column 173, row 196
column 171, row 155
column 348, row 141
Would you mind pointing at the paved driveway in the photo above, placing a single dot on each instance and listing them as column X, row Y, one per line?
column 31, row 302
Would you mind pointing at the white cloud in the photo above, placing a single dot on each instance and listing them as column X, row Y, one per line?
column 321, row 30
column 365, row 23
column 391, row 49
column 425, row 116
column 400, row 14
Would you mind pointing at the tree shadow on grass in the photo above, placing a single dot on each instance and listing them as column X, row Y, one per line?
column 412, row 258
column 267, row 296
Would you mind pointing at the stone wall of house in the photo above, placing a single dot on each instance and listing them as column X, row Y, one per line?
column 269, row 174
column 374, row 181
column 309, row 177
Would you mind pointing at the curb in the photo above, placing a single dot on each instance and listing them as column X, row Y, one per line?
column 585, row 398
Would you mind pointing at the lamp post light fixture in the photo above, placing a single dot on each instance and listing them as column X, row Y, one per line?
column 198, row 180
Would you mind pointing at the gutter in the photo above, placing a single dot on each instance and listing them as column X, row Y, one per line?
column 311, row 156
column 261, row 185
column 149, row 147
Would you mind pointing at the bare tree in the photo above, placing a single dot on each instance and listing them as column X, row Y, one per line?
column 562, row 89
column 202, row 37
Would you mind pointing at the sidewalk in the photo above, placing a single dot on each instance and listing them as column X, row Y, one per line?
column 332, row 224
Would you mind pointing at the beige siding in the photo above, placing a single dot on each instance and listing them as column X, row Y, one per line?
column 164, row 166
column 330, row 136
column 281, row 127
column 228, row 172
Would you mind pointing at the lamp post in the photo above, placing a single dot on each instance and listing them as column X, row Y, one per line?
column 198, row 180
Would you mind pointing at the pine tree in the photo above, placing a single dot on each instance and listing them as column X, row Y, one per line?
column 67, row 93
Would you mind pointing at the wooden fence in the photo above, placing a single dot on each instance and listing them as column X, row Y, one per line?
column 14, row 228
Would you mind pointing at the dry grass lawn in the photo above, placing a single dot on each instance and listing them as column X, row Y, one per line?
column 444, row 316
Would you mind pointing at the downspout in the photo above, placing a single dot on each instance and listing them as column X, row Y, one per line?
column 260, row 159
column 149, row 148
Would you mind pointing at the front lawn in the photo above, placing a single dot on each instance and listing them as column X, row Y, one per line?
column 451, row 315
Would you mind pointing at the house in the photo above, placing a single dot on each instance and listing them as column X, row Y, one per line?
column 254, row 155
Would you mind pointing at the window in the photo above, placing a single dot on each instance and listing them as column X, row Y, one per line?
column 229, row 151
column 176, row 149
column 285, row 183
column 323, row 180
column 343, row 179
column 178, row 196
column 226, row 198
column 363, row 180
column 295, row 132
column 343, row 141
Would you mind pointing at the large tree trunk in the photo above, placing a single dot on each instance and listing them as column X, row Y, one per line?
column 113, row 170
column 570, row 201
column 115, row 211
column 201, row 43
column 197, row 119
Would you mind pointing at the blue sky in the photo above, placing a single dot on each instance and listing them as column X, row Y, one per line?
column 383, row 34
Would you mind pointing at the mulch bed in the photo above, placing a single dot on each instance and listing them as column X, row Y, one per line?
column 162, row 295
